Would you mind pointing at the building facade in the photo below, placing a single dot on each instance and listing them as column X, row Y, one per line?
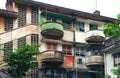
column 111, row 54
column 71, row 40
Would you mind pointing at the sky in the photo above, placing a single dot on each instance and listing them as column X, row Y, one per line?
column 109, row 8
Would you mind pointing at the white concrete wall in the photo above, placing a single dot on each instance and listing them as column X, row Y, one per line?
column 18, row 33
column 108, row 62
column 68, row 36
column 80, row 66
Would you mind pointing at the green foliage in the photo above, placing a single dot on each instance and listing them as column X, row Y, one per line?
column 107, row 76
column 100, row 74
column 19, row 59
column 118, row 16
column 116, row 70
column 111, row 29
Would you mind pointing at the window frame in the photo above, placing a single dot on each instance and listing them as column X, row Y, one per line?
column 67, row 49
column 116, row 58
column 21, row 41
column 67, row 25
column 8, row 24
column 22, row 10
column 34, row 15
column 34, row 39
column 79, row 26
column 93, row 27
column 51, row 46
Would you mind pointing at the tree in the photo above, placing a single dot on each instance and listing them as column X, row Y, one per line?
column 112, row 29
column 19, row 60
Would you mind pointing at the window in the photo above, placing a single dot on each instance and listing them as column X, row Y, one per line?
column 79, row 61
column 21, row 15
column 20, row 41
column 80, row 26
column 93, row 27
column 34, row 39
column 80, row 51
column 67, row 49
column 116, row 59
column 51, row 46
column 8, row 24
column 51, row 19
column 34, row 15
column 8, row 46
column 67, row 25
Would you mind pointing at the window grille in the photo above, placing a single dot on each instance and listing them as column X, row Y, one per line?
column 67, row 49
column 20, row 41
column 34, row 39
column 8, row 24
column 34, row 15
column 21, row 15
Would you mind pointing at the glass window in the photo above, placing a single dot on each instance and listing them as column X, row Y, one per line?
column 21, row 15
column 116, row 59
column 67, row 49
column 93, row 27
column 80, row 26
column 34, row 15
column 8, row 24
column 20, row 41
column 8, row 46
column 67, row 24
column 34, row 39
column 51, row 46
column 80, row 51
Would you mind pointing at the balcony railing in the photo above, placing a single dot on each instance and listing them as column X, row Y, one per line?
column 95, row 60
column 53, row 29
column 95, row 36
column 52, row 57
column 52, row 72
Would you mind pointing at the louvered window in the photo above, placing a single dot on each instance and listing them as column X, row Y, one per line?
column 34, row 15
column 21, row 15
column 8, row 24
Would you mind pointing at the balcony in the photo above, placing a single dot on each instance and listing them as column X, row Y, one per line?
column 95, row 36
column 52, row 29
column 95, row 60
column 52, row 58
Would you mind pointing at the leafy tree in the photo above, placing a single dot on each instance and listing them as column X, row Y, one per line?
column 112, row 29
column 19, row 60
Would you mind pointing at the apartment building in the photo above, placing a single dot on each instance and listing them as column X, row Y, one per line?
column 71, row 40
